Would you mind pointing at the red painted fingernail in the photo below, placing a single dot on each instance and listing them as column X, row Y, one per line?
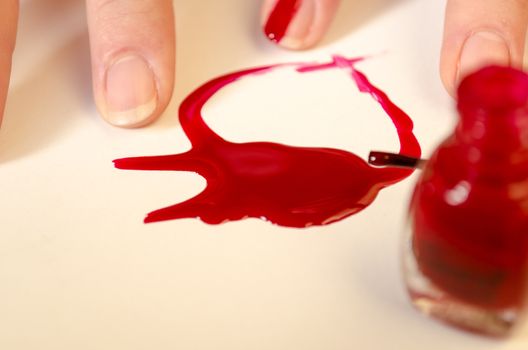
column 280, row 18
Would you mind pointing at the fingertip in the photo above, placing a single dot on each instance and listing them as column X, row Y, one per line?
column 297, row 24
column 133, row 59
column 133, row 95
column 479, row 35
column 131, row 92
column 480, row 49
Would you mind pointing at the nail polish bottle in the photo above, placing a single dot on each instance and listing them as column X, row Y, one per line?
column 465, row 252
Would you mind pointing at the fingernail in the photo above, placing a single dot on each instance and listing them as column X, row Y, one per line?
column 482, row 49
column 131, row 93
column 289, row 22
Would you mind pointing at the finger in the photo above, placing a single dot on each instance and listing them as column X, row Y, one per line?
column 132, row 47
column 8, row 27
column 479, row 33
column 297, row 24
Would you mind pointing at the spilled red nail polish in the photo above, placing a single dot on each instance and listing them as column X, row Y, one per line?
column 467, row 259
column 289, row 186
column 280, row 18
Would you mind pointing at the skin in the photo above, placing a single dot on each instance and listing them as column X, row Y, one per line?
column 133, row 47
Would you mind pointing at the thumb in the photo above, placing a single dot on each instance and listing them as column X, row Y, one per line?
column 479, row 33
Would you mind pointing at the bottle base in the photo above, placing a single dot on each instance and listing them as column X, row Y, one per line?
column 438, row 304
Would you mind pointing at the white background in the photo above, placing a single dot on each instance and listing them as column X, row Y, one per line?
column 79, row 270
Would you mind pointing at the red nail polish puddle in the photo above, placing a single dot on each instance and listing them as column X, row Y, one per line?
column 280, row 18
column 289, row 186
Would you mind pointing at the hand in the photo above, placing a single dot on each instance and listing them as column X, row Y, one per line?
column 132, row 50
column 133, row 45
column 477, row 32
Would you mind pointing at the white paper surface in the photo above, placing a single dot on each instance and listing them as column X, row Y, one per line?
column 79, row 269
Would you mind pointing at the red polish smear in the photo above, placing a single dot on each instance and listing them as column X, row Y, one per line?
column 289, row 186
column 470, row 209
column 280, row 18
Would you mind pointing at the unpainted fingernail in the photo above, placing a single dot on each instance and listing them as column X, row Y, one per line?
column 131, row 92
column 482, row 49
column 289, row 22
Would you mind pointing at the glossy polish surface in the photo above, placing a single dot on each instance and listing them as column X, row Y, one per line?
column 289, row 186
column 280, row 18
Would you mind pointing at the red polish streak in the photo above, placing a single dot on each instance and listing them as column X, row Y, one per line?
column 470, row 209
column 280, row 18
column 289, row 186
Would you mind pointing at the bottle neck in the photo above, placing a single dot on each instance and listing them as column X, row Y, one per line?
column 494, row 132
column 490, row 142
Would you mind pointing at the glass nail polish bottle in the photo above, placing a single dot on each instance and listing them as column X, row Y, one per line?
column 465, row 253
